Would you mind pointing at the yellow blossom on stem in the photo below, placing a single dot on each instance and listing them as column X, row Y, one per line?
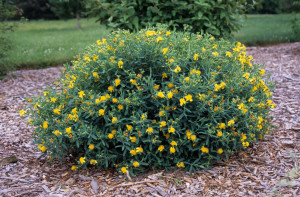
column 180, row 165
column 161, row 94
column 45, row 124
column 133, row 152
column 110, row 136
column 120, row 107
column 182, row 101
column 204, row 149
column 42, row 148
column 193, row 137
column 173, row 143
column 189, row 98
column 165, row 50
column 159, row 39
column 82, row 160
column 162, row 124
column 114, row 120
column 101, row 112
column 74, row 168
column 222, row 126
column 196, row 57
column 230, row 122
column 219, row 133
column 139, row 149
column 117, row 82
column 22, row 113
column 220, row 151
column 93, row 162
column 57, row 133
column 172, row 150
column 171, row 130
column 161, row 148
column 91, row 146
column 136, row 164
column 124, row 170
column 120, row 64
column 133, row 139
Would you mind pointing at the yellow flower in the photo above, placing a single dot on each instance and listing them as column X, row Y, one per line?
column 245, row 144
column 161, row 148
column 189, row 98
column 188, row 134
column 222, row 126
column 133, row 81
column 150, row 33
column 69, row 130
column 193, row 137
column 168, row 33
column 139, row 149
column 117, row 82
column 120, row 64
column 91, row 146
column 53, row 99
column 172, row 150
column 196, row 57
column 136, row 164
column 228, row 54
column 22, row 112
column 93, row 162
column 262, row 72
column 220, row 151
column 246, row 75
column 124, row 170
column 182, row 101
column 156, row 87
column 161, row 94
column 180, row 165
column 162, row 124
column 187, row 79
column 177, row 69
column 42, row 148
column 101, row 112
column 161, row 113
column 46, row 93
column 45, row 124
column 144, row 116
column 171, row 130
column 219, row 133
column 57, row 133
column 82, row 160
column 215, row 53
column 260, row 119
column 173, row 143
column 56, row 111
column 164, row 75
column 81, row 94
column 159, row 39
column 230, row 122
column 133, row 139
column 251, row 99
column 204, row 149
column 149, row 130
column 120, row 107
column 114, row 120
column 133, row 152
column 165, row 50
column 110, row 88
column 203, row 49
column 104, row 40
column 114, row 100
column 110, row 136
column 170, row 95
column 74, row 168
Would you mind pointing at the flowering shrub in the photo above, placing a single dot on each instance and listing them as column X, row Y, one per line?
column 153, row 98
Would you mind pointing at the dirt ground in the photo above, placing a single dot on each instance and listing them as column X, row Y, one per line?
column 268, row 168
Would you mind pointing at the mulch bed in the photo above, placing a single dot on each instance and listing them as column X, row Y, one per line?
column 269, row 167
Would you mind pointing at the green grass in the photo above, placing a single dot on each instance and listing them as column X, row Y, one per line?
column 40, row 44
column 266, row 30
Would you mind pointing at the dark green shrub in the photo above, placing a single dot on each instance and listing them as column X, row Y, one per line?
column 154, row 98
column 219, row 18
column 7, row 11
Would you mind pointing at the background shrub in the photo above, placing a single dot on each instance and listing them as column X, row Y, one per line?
column 219, row 18
column 154, row 98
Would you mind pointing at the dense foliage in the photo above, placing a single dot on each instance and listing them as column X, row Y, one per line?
column 272, row 7
column 219, row 18
column 155, row 98
column 7, row 11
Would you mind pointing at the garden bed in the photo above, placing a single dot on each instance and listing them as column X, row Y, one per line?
column 269, row 166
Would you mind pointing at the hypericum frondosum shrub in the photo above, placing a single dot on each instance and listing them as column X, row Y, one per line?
column 154, row 98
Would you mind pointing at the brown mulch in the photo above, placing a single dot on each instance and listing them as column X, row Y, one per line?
column 270, row 167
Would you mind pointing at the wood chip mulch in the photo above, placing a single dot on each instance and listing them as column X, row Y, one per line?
column 270, row 167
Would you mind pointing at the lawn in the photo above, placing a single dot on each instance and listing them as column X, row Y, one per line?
column 266, row 29
column 39, row 44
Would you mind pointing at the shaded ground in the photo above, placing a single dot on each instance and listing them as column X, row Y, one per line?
column 269, row 167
